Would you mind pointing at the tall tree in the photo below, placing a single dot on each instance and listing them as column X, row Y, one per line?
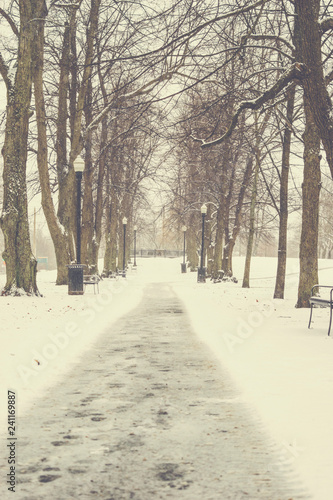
column 21, row 264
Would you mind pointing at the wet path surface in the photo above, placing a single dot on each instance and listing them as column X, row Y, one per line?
column 147, row 414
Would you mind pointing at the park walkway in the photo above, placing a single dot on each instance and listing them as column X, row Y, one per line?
column 148, row 414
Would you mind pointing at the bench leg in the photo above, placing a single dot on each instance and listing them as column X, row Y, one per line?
column 329, row 328
column 310, row 316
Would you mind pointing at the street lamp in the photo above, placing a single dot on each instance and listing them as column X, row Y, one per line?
column 135, row 230
column 124, row 253
column 202, row 269
column 183, row 265
column 78, row 167
column 75, row 271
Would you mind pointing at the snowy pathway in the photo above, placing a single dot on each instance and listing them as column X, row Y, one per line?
column 148, row 414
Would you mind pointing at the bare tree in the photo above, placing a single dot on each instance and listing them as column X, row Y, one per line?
column 21, row 265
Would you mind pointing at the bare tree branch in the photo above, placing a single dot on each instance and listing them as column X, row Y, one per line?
column 197, row 29
column 4, row 72
column 145, row 89
column 10, row 21
column 271, row 37
column 297, row 71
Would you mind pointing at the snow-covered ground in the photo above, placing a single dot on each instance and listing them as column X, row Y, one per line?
column 282, row 369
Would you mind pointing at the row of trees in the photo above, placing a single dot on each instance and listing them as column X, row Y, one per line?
column 74, row 87
column 87, row 77
column 268, row 93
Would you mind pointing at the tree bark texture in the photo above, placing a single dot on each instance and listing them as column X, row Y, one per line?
column 21, row 265
column 310, row 209
column 67, row 89
column 249, row 249
column 99, row 200
column 88, row 232
column 230, row 243
column 217, row 262
column 308, row 34
column 208, row 249
column 283, row 212
column 58, row 236
column 66, row 211
column 110, row 256
column 192, row 242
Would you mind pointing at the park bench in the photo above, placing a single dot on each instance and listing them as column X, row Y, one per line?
column 318, row 301
column 121, row 272
column 91, row 279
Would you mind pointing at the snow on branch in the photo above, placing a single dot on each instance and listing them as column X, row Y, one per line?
column 270, row 37
column 297, row 71
column 75, row 5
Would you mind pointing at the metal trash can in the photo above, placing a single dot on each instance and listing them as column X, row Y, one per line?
column 183, row 267
column 75, row 279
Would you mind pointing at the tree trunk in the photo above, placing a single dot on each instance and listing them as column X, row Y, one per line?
column 87, row 234
column 208, row 240
column 66, row 177
column 246, row 277
column 310, row 206
column 230, row 237
column 308, row 34
column 21, row 265
column 283, row 223
column 99, row 199
column 238, row 213
column 100, row 180
column 192, row 243
column 110, row 256
column 66, row 211
column 217, row 262
column 56, row 231
column 317, row 125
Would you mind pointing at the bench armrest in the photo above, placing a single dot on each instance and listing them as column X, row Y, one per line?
column 322, row 286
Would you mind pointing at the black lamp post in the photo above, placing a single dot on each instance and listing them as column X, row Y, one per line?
column 183, row 265
column 135, row 230
column 78, row 167
column 202, row 269
column 124, row 253
column 75, row 271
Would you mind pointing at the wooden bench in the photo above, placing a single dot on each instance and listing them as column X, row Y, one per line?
column 91, row 279
column 318, row 301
